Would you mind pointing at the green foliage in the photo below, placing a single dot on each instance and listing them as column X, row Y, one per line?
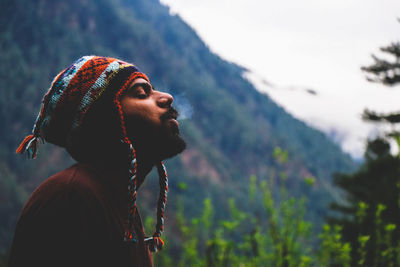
column 280, row 155
column 371, row 215
column 278, row 236
column 182, row 186
column 274, row 235
column 363, row 239
column 334, row 252
column 309, row 180
column 249, row 240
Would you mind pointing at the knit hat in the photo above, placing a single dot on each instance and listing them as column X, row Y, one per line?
column 64, row 107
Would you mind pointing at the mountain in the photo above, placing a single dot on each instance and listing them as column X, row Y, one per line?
column 232, row 130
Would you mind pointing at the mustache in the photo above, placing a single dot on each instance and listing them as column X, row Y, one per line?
column 172, row 113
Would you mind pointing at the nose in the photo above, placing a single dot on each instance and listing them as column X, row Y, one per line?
column 164, row 99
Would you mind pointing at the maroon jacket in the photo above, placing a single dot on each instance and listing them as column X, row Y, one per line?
column 77, row 218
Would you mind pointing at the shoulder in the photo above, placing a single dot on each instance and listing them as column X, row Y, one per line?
column 62, row 219
column 75, row 177
column 71, row 199
column 71, row 186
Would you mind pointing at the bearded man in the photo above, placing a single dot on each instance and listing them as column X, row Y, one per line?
column 111, row 120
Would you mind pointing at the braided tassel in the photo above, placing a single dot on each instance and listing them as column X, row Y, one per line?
column 130, row 235
column 155, row 242
column 30, row 144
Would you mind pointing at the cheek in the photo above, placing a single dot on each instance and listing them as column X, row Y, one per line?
column 141, row 111
column 151, row 119
column 142, row 122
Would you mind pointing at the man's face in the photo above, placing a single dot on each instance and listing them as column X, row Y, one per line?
column 152, row 123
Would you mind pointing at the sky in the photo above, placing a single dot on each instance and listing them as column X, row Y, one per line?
column 297, row 45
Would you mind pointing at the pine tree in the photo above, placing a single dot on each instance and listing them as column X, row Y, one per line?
column 372, row 203
column 386, row 72
column 370, row 218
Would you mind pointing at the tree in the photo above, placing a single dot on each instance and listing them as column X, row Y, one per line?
column 370, row 219
column 372, row 204
column 386, row 72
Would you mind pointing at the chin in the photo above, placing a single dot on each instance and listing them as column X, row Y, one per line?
column 157, row 143
column 171, row 147
column 170, row 141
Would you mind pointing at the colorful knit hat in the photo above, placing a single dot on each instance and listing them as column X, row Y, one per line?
column 64, row 107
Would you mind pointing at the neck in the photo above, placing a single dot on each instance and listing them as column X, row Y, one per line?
column 145, row 164
column 118, row 168
column 143, row 169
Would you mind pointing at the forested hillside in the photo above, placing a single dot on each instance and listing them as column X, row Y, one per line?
column 232, row 134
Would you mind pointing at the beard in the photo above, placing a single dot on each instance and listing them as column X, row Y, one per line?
column 171, row 146
column 173, row 143
column 156, row 142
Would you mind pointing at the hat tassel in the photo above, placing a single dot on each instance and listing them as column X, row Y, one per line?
column 29, row 144
column 155, row 243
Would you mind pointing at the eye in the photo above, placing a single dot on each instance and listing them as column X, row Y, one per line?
column 141, row 95
column 140, row 90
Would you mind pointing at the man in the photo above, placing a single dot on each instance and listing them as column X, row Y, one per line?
column 110, row 119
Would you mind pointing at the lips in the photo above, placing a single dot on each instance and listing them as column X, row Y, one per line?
column 170, row 118
column 173, row 125
column 174, row 121
column 173, row 117
column 170, row 114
